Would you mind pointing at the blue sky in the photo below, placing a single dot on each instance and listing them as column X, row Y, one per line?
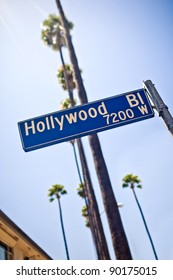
column 119, row 44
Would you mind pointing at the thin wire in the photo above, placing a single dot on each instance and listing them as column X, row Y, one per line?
column 11, row 35
column 39, row 9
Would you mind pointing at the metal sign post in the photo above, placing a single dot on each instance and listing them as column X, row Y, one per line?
column 159, row 104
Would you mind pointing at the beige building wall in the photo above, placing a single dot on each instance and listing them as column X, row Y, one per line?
column 17, row 244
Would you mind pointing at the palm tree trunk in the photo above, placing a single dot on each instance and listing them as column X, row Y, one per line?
column 119, row 240
column 77, row 164
column 90, row 215
column 66, row 78
column 94, row 216
column 62, row 226
column 145, row 224
column 82, row 93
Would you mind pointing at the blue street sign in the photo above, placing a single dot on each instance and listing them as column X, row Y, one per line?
column 85, row 119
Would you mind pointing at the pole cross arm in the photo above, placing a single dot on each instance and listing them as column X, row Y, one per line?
column 159, row 104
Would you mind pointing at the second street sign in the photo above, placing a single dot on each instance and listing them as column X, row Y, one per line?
column 85, row 119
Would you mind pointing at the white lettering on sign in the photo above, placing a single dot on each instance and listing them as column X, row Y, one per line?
column 60, row 122
column 143, row 109
column 32, row 127
column 133, row 101
column 120, row 116
column 71, row 118
column 40, row 126
column 51, row 122
column 47, row 123
column 82, row 115
column 128, row 113
column 92, row 113
column 102, row 109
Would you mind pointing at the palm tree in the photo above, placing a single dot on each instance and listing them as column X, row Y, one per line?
column 133, row 181
column 85, row 212
column 119, row 240
column 55, row 192
column 66, row 78
column 70, row 77
column 52, row 32
column 86, row 215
